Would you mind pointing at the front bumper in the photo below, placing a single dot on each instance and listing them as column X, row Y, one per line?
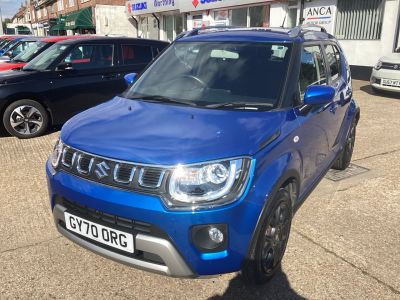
column 179, row 255
column 174, row 265
column 378, row 75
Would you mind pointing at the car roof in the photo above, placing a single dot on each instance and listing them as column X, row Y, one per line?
column 55, row 39
column 118, row 39
column 13, row 37
column 255, row 34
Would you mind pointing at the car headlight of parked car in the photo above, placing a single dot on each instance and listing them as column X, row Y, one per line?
column 208, row 184
column 55, row 156
column 378, row 65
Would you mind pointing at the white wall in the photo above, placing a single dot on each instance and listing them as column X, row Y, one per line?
column 113, row 20
column 277, row 14
column 367, row 53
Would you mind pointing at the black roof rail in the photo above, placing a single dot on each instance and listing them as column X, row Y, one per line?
column 301, row 29
column 196, row 31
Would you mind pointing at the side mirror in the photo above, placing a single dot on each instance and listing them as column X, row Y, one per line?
column 64, row 66
column 319, row 94
column 130, row 78
column 8, row 53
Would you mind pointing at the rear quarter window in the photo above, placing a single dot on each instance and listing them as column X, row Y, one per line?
column 132, row 54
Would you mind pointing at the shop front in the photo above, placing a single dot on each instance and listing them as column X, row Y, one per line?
column 254, row 13
column 157, row 19
column 80, row 22
column 58, row 26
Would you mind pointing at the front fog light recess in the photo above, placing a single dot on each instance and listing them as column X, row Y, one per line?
column 210, row 237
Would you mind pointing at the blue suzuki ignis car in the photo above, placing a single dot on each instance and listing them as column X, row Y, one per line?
column 198, row 168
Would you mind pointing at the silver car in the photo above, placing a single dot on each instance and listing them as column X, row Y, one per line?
column 386, row 73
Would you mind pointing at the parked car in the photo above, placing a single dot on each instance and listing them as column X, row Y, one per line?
column 13, row 40
column 69, row 77
column 386, row 74
column 17, row 48
column 35, row 49
column 198, row 168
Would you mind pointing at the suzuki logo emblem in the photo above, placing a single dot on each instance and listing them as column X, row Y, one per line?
column 101, row 170
column 396, row 67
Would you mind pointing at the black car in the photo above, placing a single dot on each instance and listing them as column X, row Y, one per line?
column 67, row 78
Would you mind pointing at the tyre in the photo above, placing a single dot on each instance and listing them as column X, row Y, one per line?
column 344, row 158
column 270, row 245
column 25, row 119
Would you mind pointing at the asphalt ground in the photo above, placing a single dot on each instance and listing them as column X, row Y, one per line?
column 344, row 244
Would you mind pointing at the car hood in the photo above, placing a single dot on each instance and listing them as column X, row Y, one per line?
column 9, row 66
column 159, row 133
column 393, row 58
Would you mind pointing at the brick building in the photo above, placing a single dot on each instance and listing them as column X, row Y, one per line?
column 68, row 17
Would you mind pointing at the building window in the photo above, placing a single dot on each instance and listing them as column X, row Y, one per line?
column 60, row 5
column 259, row 16
column 44, row 12
column 254, row 16
column 71, row 3
column 39, row 13
column 359, row 19
column 173, row 26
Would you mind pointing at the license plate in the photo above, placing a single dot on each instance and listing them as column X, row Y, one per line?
column 99, row 233
column 391, row 82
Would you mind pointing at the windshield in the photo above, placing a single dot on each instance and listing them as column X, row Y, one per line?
column 208, row 73
column 30, row 52
column 3, row 42
column 9, row 46
column 44, row 60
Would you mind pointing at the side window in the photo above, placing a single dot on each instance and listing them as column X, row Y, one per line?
column 83, row 57
column 333, row 61
column 136, row 54
column 312, row 70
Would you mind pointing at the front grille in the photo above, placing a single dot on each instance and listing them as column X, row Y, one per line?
column 112, row 172
column 390, row 66
column 106, row 219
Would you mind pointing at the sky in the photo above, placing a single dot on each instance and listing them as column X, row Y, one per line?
column 9, row 7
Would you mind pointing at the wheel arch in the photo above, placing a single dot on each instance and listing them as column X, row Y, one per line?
column 28, row 96
column 289, row 180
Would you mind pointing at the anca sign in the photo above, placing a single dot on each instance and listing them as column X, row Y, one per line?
column 321, row 13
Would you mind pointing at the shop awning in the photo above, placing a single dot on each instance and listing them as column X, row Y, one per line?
column 60, row 24
column 79, row 19
column 58, row 27
column 23, row 30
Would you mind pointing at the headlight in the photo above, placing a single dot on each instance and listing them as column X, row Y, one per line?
column 56, row 155
column 378, row 65
column 209, row 184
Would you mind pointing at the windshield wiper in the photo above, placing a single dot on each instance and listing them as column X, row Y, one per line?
column 159, row 98
column 245, row 105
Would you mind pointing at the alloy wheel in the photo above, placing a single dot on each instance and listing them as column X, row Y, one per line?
column 26, row 120
column 276, row 237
